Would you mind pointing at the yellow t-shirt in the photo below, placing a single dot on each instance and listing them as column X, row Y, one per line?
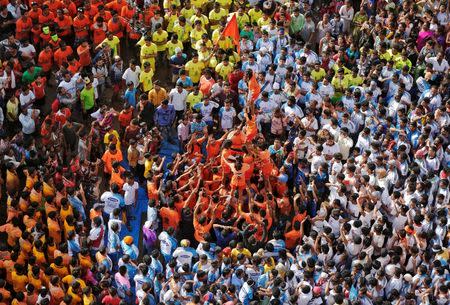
column 198, row 45
column 170, row 20
column 193, row 99
column 216, row 17
column 194, row 70
column 160, row 40
column 225, row 4
column 113, row 44
column 255, row 15
column 148, row 50
column 116, row 134
column 171, row 46
column 198, row 3
column 183, row 32
column 196, row 35
column 242, row 20
column 202, row 18
column 146, row 79
column 318, row 75
column 168, row 3
column 353, row 81
column 187, row 13
column 263, row 21
column 223, row 70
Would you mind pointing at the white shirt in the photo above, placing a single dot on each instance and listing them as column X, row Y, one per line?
column 438, row 67
column 25, row 100
column 29, row 50
column 178, row 99
column 111, row 202
column 227, row 117
column 70, row 87
column 130, row 193
column 183, row 132
column 132, row 76
column 183, row 256
column 28, row 124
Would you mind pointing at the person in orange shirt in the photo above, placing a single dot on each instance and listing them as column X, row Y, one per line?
column 53, row 5
column 128, row 11
column 63, row 24
column 106, row 15
column 23, row 27
column 169, row 216
column 111, row 155
column 116, row 5
column 99, row 30
column 54, row 229
column 201, row 224
column 47, row 17
column 90, row 10
column 117, row 175
column 13, row 230
column 74, row 65
column 70, row 7
column 206, row 83
column 81, row 25
column 19, row 278
column 35, row 11
column 116, row 25
column 62, row 53
column 294, row 236
column 84, row 53
column 45, row 60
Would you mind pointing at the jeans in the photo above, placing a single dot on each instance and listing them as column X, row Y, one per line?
column 129, row 210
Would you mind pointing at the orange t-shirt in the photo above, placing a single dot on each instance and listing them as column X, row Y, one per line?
column 85, row 55
column 292, row 238
column 61, row 55
column 108, row 158
column 116, row 177
column 46, row 19
column 45, row 60
column 23, row 28
column 65, row 24
column 170, row 218
column 71, row 7
column 53, row 5
column 74, row 67
column 81, row 26
column 34, row 14
column 125, row 118
column 116, row 5
column 116, row 27
column 98, row 33
column 201, row 230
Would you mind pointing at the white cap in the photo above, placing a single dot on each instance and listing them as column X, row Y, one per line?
column 276, row 86
column 177, row 50
column 407, row 277
column 263, row 50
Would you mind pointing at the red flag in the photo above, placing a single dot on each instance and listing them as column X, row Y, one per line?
column 232, row 30
column 254, row 89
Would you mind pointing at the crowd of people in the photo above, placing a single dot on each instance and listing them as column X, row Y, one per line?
column 302, row 159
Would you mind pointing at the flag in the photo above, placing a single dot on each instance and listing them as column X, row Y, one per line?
column 254, row 89
column 232, row 30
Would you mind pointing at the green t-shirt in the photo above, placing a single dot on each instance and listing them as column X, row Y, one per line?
column 87, row 97
column 28, row 77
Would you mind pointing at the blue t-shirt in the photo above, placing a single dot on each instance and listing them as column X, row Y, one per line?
column 130, row 97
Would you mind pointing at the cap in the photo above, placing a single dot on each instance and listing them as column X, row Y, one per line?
column 276, row 86
column 177, row 50
column 317, row 290
column 87, row 80
column 263, row 50
column 128, row 240
column 184, row 243
column 437, row 248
